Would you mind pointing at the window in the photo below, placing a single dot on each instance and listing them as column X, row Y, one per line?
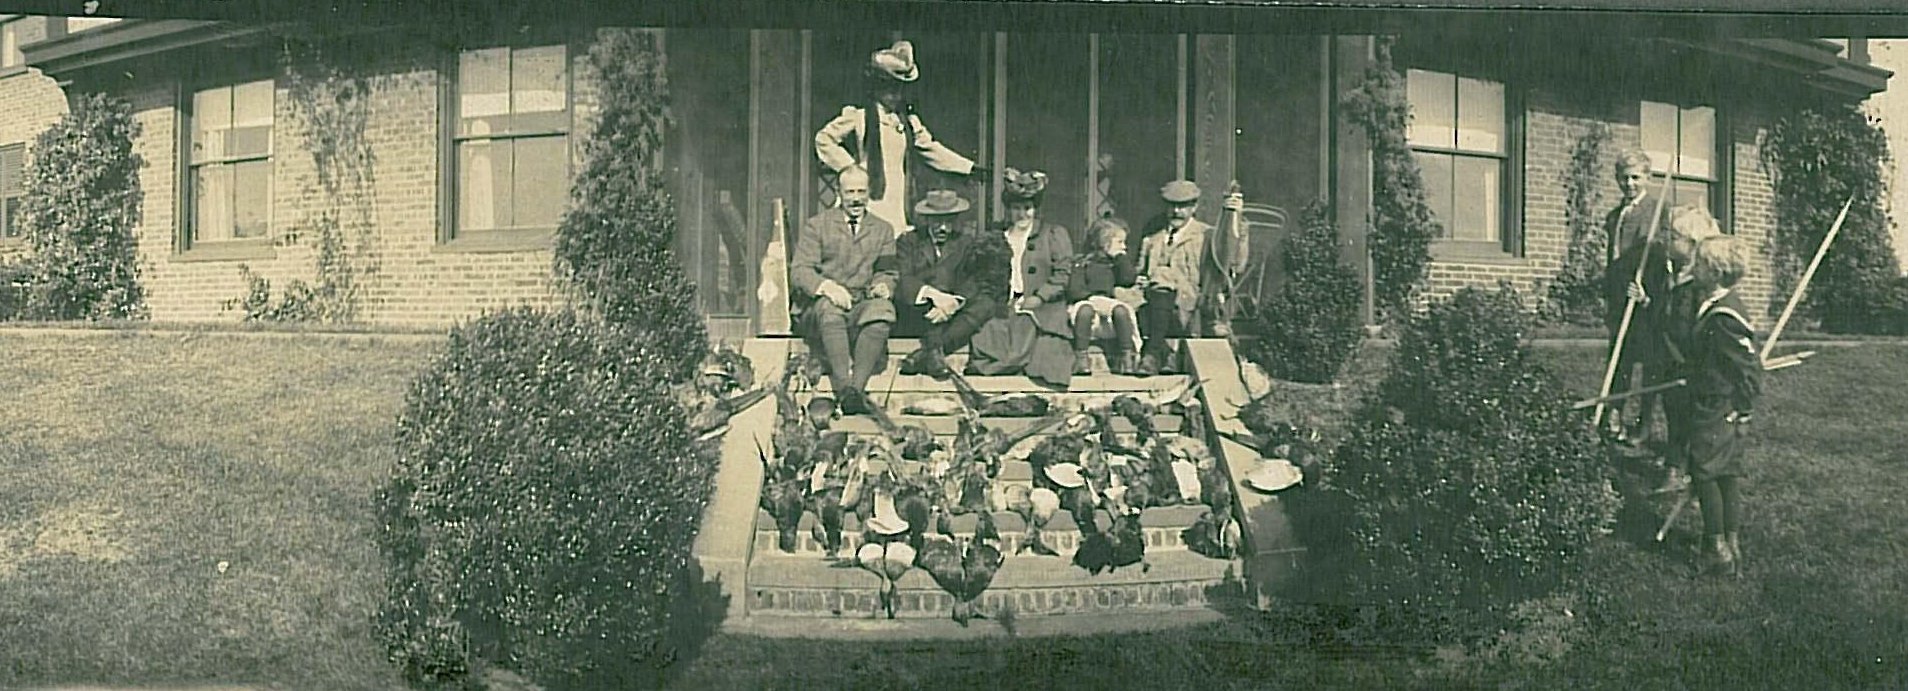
column 229, row 173
column 10, row 55
column 12, row 190
column 1681, row 143
column 1461, row 139
column 510, row 140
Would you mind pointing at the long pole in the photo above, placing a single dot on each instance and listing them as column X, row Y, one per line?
column 1629, row 304
column 1788, row 309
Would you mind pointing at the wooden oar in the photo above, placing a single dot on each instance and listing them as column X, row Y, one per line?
column 1629, row 305
column 1783, row 362
column 1788, row 309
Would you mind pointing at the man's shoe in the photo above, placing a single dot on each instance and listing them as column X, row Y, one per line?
column 924, row 361
column 1719, row 561
column 852, row 402
column 1148, row 366
column 1082, row 364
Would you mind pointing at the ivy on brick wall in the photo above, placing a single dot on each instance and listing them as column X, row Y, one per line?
column 331, row 103
column 1402, row 226
column 1818, row 158
column 82, row 202
column 1576, row 295
column 615, row 249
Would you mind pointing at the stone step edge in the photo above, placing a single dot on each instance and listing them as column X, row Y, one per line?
column 1179, row 516
column 1066, row 543
column 792, row 625
column 812, row 602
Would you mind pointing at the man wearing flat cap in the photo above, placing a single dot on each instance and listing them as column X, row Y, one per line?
column 939, row 300
column 845, row 262
column 880, row 135
column 1173, row 260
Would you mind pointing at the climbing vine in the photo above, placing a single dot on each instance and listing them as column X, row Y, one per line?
column 331, row 106
column 1576, row 296
column 1402, row 226
column 1818, row 158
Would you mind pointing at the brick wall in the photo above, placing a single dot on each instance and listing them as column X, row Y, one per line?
column 30, row 102
column 1553, row 124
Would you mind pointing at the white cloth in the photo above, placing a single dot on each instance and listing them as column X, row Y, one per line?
column 892, row 206
column 1103, row 307
column 1018, row 241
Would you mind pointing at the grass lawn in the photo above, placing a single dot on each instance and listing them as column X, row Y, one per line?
column 132, row 465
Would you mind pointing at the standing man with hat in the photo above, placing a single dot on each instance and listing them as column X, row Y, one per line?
column 1172, row 260
column 940, row 301
column 879, row 136
column 844, row 260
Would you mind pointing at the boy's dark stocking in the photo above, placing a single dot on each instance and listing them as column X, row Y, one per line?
column 1710, row 495
column 833, row 325
column 1083, row 329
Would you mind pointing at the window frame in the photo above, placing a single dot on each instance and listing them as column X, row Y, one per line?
column 1722, row 159
column 187, row 245
column 10, row 26
column 7, row 222
column 1510, row 244
column 450, row 236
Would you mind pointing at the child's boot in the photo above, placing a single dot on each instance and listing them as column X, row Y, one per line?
column 1735, row 547
column 1719, row 561
column 1082, row 363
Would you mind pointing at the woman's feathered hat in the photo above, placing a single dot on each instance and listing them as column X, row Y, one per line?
column 1022, row 186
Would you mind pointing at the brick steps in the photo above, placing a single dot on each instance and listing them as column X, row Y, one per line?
column 948, row 425
column 1163, row 526
column 801, row 586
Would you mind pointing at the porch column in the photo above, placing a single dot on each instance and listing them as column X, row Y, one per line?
column 1213, row 121
column 776, row 147
column 1351, row 169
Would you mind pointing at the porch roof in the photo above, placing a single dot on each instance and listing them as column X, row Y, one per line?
column 1818, row 62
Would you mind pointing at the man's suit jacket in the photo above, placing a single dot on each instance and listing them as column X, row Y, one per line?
column 829, row 250
column 923, row 264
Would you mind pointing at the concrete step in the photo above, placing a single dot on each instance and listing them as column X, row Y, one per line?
column 1162, row 524
column 1100, row 382
column 1030, row 585
column 948, row 426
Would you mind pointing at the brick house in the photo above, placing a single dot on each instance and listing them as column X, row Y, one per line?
column 474, row 141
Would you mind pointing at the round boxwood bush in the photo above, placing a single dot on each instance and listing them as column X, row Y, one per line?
column 1466, row 486
column 1312, row 326
column 541, row 512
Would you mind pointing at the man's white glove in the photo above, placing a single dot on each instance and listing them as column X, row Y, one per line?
column 1235, row 202
column 880, row 291
column 836, row 294
column 943, row 302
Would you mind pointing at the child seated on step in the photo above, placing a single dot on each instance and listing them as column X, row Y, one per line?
column 1095, row 313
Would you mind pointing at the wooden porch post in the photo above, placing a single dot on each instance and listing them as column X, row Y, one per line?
column 1351, row 161
column 776, row 149
column 1214, row 122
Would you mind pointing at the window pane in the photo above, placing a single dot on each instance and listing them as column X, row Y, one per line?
column 536, row 80
column 212, row 203
column 1696, row 143
column 10, row 217
column 483, row 185
column 1437, row 186
column 10, row 46
column 1659, row 135
column 252, row 204
column 249, row 141
column 211, row 116
column 1433, row 97
column 483, row 89
column 12, row 170
column 1476, row 200
column 1689, row 192
column 541, row 181
column 1480, row 107
column 252, row 104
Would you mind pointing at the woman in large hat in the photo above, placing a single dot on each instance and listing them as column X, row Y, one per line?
column 1028, row 261
column 847, row 139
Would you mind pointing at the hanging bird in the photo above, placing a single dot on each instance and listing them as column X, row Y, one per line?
column 889, row 561
column 979, row 564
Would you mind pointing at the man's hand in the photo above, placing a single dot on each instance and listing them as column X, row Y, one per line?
column 1031, row 302
column 944, row 302
column 1235, row 202
column 836, row 294
column 1637, row 294
column 880, row 291
column 980, row 171
column 937, row 315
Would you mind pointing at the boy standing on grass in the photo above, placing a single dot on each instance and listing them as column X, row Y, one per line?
column 1725, row 380
column 1674, row 309
column 1627, row 227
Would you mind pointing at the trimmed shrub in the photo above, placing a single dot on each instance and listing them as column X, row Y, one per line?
column 1819, row 158
column 1312, row 327
column 1402, row 226
column 615, row 246
column 1466, row 486
column 541, row 513
column 82, row 202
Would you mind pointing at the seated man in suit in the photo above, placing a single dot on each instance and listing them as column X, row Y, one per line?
column 938, row 300
column 844, row 260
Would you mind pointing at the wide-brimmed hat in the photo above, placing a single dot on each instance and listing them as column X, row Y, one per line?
column 886, row 520
column 895, row 62
column 1180, row 192
column 941, row 203
column 1016, row 185
column 1066, row 475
